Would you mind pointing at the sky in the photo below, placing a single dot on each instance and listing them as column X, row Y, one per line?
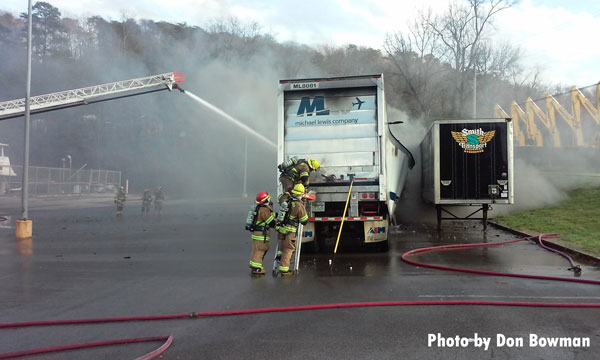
column 556, row 36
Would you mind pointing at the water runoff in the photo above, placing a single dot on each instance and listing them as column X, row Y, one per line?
column 231, row 118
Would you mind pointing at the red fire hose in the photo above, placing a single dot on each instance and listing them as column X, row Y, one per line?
column 168, row 339
column 484, row 272
column 151, row 355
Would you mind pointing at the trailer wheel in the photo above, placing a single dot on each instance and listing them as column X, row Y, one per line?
column 383, row 246
column 311, row 247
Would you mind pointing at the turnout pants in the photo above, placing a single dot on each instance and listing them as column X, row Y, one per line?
column 287, row 184
column 287, row 243
column 259, row 249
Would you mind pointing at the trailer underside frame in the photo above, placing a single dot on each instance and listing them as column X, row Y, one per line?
column 439, row 208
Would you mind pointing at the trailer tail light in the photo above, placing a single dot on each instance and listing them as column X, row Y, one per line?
column 371, row 195
column 364, row 196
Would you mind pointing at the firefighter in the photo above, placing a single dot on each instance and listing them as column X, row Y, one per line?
column 295, row 215
column 120, row 198
column 159, row 197
column 146, row 201
column 261, row 224
column 295, row 172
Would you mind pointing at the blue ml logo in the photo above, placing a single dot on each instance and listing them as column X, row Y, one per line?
column 308, row 108
column 376, row 230
column 307, row 234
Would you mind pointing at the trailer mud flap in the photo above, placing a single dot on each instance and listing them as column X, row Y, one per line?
column 308, row 233
column 376, row 230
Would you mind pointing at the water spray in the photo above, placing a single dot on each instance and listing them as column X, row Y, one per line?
column 226, row 116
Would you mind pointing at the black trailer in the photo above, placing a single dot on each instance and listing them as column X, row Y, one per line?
column 468, row 163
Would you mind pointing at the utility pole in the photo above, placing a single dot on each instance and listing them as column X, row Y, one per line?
column 24, row 227
column 62, row 176
column 474, row 92
column 245, row 194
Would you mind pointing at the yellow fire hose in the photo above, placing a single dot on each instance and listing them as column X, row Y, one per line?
column 343, row 217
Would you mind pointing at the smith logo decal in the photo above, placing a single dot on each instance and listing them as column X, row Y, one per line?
column 473, row 141
column 316, row 106
column 376, row 230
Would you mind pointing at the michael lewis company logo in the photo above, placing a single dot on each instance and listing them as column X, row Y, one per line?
column 473, row 141
column 317, row 106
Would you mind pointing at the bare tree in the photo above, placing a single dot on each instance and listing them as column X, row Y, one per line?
column 462, row 29
column 414, row 55
column 437, row 56
column 230, row 37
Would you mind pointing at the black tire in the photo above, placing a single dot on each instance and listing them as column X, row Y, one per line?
column 311, row 247
column 383, row 246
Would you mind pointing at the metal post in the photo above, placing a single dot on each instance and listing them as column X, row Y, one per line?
column 485, row 214
column 474, row 91
column 245, row 194
column 62, row 177
column 25, row 184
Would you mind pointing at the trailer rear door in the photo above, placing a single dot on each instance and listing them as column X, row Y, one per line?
column 337, row 126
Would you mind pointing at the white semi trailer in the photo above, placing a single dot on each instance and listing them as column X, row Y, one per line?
column 342, row 123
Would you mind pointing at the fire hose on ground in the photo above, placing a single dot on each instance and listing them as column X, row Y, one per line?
column 196, row 315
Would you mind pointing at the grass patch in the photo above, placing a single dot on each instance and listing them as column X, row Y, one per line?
column 576, row 220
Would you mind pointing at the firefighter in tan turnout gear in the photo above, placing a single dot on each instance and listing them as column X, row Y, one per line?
column 146, row 201
column 295, row 215
column 260, row 220
column 295, row 171
column 120, row 198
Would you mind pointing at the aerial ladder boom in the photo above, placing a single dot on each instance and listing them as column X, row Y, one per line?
column 500, row 113
column 91, row 94
column 533, row 134
column 553, row 106
column 549, row 122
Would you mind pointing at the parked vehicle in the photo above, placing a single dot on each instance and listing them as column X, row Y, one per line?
column 342, row 123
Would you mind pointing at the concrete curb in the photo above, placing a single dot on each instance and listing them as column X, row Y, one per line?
column 591, row 259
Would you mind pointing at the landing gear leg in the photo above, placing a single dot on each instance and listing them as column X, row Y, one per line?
column 485, row 213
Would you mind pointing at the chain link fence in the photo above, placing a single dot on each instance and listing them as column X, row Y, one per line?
column 55, row 181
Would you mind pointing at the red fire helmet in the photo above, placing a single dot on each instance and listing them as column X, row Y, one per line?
column 262, row 197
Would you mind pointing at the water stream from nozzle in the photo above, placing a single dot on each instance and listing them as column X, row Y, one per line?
column 230, row 118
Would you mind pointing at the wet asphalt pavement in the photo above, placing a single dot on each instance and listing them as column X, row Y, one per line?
column 85, row 263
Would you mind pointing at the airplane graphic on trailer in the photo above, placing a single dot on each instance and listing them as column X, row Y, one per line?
column 358, row 102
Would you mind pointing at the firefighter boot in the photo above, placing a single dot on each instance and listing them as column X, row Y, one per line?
column 257, row 271
column 287, row 273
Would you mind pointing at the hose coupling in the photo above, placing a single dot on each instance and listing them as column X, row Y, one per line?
column 576, row 270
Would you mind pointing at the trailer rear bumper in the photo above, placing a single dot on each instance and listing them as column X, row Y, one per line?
column 375, row 228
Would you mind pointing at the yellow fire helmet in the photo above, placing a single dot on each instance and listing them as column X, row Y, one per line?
column 314, row 164
column 298, row 189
